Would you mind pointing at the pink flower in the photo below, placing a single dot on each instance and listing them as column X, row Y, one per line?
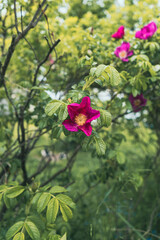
column 147, row 31
column 123, row 52
column 81, row 116
column 137, row 102
column 51, row 59
column 119, row 34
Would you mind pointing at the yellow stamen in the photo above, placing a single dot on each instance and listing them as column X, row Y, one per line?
column 80, row 119
column 123, row 54
column 137, row 102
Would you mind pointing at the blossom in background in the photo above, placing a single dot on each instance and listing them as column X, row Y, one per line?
column 81, row 116
column 119, row 34
column 123, row 52
column 137, row 102
column 147, row 31
column 51, row 59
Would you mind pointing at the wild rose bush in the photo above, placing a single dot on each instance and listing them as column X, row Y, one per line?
column 79, row 119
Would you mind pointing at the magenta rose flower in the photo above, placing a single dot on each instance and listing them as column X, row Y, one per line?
column 119, row 34
column 137, row 102
column 123, row 51
column 81, row 116
column 147, row 31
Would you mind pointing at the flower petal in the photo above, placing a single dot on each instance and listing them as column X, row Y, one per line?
column 73, row 110
column 92, row 115
column 86, row 103
column 125, row 59
column 131, row 98
column 125, row 46
column 70, row 126
column 130, row 53
column 86, row 128
column 138, row 34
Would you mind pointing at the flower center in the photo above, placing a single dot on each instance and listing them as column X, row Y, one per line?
column 137, row 102
column 80, row 119
column 123, row 54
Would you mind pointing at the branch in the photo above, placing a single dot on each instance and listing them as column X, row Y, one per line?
column 71, row 160
column 37, row 70
column 15, row 16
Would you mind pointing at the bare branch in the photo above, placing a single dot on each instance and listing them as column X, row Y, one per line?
column 70, row 162
column 15, row 16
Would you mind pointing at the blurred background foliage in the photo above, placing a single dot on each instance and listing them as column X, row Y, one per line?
column 117, row 195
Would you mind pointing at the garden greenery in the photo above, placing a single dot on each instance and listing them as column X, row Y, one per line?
column 79, row 120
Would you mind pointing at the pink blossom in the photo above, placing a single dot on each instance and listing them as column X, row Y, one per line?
column 137, row 102
column 147, row 31
column 119, row 34
column 51, row 59
column 123, row 52
column 81, row 116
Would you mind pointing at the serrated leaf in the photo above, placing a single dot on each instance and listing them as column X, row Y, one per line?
column 65, row 199
column 121, row 158
column 57, row 189
column 37, row 221
column 14, row 229
column 52, row 107
column 14, row 191
column 32, row 230
column 64, row 237
column 3, row 188
column 43, row 201
column 66, row 212
column 63, row 112
column 92, row 71
column 19, row 236
column 86, row 142
column 52, row 210
column 6, row 200
column 114, row 75
column 100, row 69
column 100, row 146
column 105, row 117
column 36, row 198
column 89, row 82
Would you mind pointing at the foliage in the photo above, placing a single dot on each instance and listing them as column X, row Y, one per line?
column 54, row 53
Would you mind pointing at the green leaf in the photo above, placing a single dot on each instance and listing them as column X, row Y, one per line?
column 65, row 199
column 89, row 82
column 52, row 107
column 92, row 71
column 134, row 92
column 100, row 146
column 37, row 221
column 63, row 112
column 114, row 75
column 100, row 69
column 121, row 157
column 64, row 237
column 52, row 210
column 14, row 229
column 66, row 212
column 6, row 200
column 3, row 188
column 57, row 189
column 36, row 198
column 14, row 191
column 43, row 201
column 32, row 230
column 19, row 236
column 105, row 117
